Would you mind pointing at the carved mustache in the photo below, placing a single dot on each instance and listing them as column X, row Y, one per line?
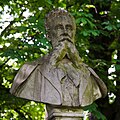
column 65, row 35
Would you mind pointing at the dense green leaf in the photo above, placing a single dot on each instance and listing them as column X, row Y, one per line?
column 117, row 67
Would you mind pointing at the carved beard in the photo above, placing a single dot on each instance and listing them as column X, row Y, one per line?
column 65, row 49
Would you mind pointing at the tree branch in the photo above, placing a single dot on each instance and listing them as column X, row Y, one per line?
column 4, row 63
column 11, row 23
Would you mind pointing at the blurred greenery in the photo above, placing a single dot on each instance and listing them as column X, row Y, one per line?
column 23, row 39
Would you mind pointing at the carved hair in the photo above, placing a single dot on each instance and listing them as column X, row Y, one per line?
column 49, row 20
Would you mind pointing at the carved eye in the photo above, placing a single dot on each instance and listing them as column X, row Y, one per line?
column 59, row 27
column 69, row 27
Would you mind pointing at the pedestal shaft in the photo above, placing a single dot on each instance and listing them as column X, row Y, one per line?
column 63, row 113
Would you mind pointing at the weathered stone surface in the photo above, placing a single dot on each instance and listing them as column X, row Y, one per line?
column 63, row 113
column 59, row 78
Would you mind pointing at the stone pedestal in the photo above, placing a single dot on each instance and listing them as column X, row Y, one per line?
column 63, row 113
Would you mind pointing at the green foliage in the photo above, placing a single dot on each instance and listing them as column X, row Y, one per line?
column 93, row 108
column 23, row 39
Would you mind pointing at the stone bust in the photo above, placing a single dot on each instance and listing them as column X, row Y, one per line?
column 60, row 77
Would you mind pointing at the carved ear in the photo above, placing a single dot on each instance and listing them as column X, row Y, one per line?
column 48, row 35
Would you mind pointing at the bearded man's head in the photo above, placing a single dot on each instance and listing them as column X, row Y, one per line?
column 60, row 26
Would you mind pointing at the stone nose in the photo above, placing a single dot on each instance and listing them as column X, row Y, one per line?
column 64, row 29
